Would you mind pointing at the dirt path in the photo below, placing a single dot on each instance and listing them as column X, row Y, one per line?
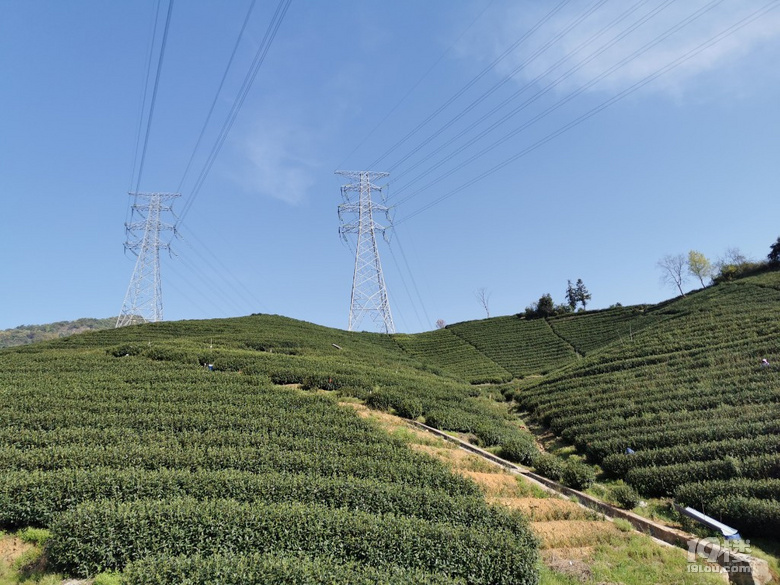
column 575, row 542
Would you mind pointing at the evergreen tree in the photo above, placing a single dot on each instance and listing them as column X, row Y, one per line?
column 571, row 295
column 774, row 254
column 582, row 293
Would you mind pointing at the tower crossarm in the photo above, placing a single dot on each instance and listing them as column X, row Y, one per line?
column 369, row 292
column 143, row 300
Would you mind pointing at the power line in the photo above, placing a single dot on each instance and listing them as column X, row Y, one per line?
column 414, row 282
column 242, row 290
column 417, row 83
column 186, row 297
column 546, row 112
column 219, row 90
column 408, row 293
column 260, row 56
column 143, row 98
column 473, row 81
column 506, row 79
column 534, row 81
column 631, row 89
column 154, row 93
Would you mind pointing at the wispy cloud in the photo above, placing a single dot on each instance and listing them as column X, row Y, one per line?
column 278, row 157
column 620, row 43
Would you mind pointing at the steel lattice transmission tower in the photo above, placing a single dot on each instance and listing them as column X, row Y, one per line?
column 369, row 293
column 143, row 301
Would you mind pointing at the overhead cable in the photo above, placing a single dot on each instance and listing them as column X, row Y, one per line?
column 605, row 104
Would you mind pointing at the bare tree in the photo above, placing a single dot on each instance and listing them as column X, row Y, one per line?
column 673, row 270
column 440, row 324
column 734, row 256
column 483, row 296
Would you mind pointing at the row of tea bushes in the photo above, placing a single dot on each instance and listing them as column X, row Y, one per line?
column 107, row 535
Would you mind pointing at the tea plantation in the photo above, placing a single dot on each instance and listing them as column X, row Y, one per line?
column 687, row 392
column 190, row 448
column 217, row 450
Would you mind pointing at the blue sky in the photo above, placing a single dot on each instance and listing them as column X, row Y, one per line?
column 529, row 143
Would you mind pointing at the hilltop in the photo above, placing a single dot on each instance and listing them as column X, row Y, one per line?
column 25, row 334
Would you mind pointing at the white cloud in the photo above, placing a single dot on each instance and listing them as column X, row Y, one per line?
column 279, row 160
column 582, row 53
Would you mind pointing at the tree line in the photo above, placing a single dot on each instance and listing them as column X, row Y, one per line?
column 545, row 307
column 678, row 269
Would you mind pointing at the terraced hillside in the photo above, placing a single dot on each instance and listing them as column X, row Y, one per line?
column 688, row 393
column 450, row 353
column 140, row 459
column 208, row 447
column 521, row 346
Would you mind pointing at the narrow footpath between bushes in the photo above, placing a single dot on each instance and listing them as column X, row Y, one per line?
column 742, row 569
column 577, row 545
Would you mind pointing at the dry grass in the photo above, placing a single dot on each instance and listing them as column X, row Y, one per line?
column 575, row 533
column 545, row 509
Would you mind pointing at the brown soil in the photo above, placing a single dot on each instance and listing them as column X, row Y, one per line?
column 11, row 548
column 578, row 570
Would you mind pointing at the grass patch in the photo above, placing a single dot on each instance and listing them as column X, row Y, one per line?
column 36, row 536
column 637, row 560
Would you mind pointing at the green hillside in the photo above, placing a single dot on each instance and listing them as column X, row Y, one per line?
column 443, row 349
column 687, row 392
column 588, row 332
column 25, row 334
column 523, row 347
column 140, row 457
column 201, row 447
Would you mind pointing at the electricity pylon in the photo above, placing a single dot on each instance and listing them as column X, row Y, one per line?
column 369, row 293
column 143, row 301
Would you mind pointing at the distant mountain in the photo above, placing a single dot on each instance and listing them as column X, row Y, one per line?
column 25, row 334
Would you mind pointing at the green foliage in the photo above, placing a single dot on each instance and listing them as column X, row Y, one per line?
column 292, row 569
column 625, row 496
column 685, row 390
column 520, row 346
column 732, row 272
column 37, row 497
column 26, row 334
column 751, row 504
column 623, row 525
column 578, row 474
column 107, row 424
column 545, row 307
column 571, row 295
column 591, row 331
column 108, row 579
column 576, row 294
column 549, row 466
column 410, row 408
column 444, row 349
column 105, row 535
column 699, row 266
column 36, row 536
column 774, row 253
column 520, row 449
